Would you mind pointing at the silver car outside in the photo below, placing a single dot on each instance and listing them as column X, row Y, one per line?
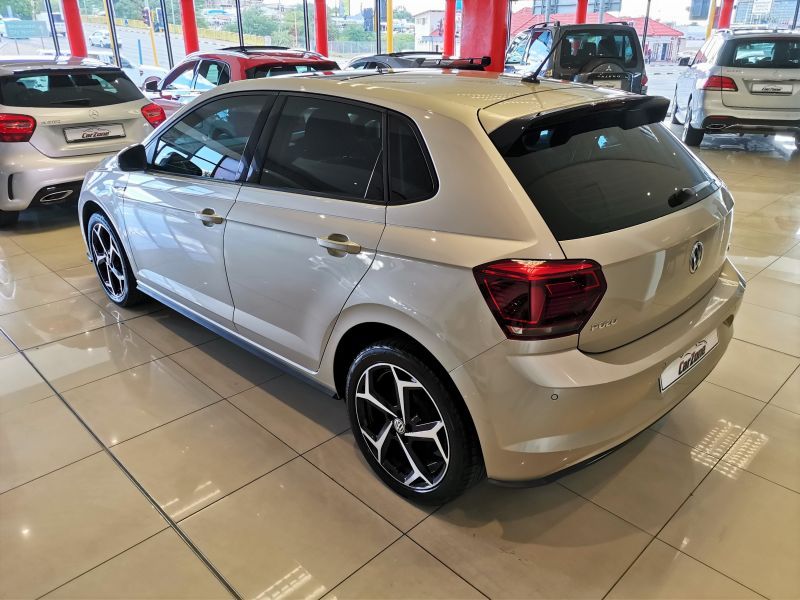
column 310, row 282
column 47, row 167
column 751, row 97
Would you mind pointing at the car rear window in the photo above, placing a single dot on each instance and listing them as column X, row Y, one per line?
column 580, row 47
column 272, row 70
column 68, row 88
column 776, row 53
column 606, row 179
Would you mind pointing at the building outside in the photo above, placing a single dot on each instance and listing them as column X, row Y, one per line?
column 769, row 12
column 539, row 7
column 428, row 27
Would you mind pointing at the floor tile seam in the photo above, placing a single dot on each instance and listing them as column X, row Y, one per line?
column 119, row 464
column 56, row 470
column 445, row 565
column 794, row 356
column 667, row 522
column 72, row 295
column 778, row 310
column 59, row 339
column 725, row 575
column 767, row 479
column 100, row 564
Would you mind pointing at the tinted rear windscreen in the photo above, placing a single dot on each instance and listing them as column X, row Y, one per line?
column 67, row 89
column 580, row 47
column 275, row 70
column 604, row 180
column 776, row 53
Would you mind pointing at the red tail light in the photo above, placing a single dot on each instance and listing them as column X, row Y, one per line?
column 717, row 82
column 535, row 299
column 16, row 128
column 644, row 79
column 154, row 114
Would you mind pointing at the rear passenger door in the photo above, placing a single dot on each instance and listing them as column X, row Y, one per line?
column 306, row 225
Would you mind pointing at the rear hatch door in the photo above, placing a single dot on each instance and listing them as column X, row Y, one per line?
column 766, row 72
column 77, row 112
column 615, row 186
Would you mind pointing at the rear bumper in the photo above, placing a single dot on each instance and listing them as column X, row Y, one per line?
column 25, row 172
column 714, row 116
column 539, row 414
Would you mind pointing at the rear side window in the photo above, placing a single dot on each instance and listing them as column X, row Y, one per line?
column 777, row 53
column 211, row 74
column 326, row 147
column 409, row 173
column 210, row 141
column 606, row 179
column 580, row 47
column 275, row 70
column 65, row 89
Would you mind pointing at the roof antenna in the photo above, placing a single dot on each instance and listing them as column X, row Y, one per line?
column 534, row 77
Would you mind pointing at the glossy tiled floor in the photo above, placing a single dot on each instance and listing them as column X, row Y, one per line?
column 268, row 498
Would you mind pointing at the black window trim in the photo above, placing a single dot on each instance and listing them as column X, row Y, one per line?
column 249, row 149
column 268, row 130
column 225, row 66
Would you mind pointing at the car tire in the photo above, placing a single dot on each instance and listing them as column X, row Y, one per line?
column 674, row 120
column 111, row 263
column 9, row 218
column 427, row 451
column 691, row 136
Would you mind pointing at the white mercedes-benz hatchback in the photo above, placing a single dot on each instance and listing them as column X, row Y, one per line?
column 500, row 277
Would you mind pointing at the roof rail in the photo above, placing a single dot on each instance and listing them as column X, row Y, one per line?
column 738, row 29
column 616, row 23
column 250, row 49
column 408, row 53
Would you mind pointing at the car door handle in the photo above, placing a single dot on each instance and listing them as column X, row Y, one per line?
column 208, row 217
column 339, row 245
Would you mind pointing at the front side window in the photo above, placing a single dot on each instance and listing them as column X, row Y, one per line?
column 210, row 74
column 326, row 147
column 516, row 50
column 210, row 141
column 409, row 174
column 181, row 78
column 777, row 53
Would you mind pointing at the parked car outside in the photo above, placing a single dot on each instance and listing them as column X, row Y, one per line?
column 511, row 309
column 101, row 38
column 605, row 54
column 137, row 73
column 741, row 81
column 58, row 119
column 203, row 71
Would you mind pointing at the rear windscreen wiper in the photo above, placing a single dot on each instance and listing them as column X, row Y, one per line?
column 687, row 193
column 72, row 101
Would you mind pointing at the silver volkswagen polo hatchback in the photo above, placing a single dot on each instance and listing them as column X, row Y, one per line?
column 500, row 278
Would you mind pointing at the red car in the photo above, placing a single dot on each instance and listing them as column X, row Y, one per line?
column 202, row 71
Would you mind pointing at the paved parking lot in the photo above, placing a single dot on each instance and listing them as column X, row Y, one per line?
column 141, row 456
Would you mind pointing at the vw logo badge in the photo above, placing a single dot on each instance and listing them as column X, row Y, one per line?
column 94, row 114
column 696, row 257
column 399, row 426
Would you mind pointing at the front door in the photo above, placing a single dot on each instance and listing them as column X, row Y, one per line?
column 175, row 211
column 304, row 232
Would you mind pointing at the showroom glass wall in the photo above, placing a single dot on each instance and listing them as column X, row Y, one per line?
column 151, row 39
column 25, row 28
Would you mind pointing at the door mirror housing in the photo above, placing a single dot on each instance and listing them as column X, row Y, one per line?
column 151, row 84
column 133, row 158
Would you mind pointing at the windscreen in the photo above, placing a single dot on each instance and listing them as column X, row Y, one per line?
column 68, row 88
column 776, row 53
column 269, row 70
column 579, row 47
column 606, row 179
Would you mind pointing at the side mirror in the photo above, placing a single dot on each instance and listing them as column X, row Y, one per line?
column 133, row 158
column 151, row 84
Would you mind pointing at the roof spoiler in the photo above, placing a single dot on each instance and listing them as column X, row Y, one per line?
column 626, row 113
column 466, row 64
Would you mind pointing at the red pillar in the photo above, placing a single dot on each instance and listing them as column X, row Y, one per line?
column 580, row 11
column 321, row 21
column 189, row 27
column 449, row 34
column 484, row 30
column 725, row 13
column 74, row 27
